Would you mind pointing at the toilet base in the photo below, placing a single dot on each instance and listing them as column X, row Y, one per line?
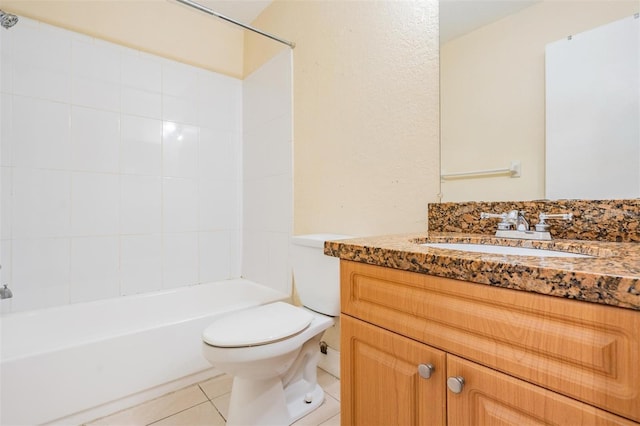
column 266, row 402
column 299, row 407
column 279, row 400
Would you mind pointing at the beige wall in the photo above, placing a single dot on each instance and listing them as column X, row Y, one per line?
column 365, row 111
column 161, row 27
column 492, row 88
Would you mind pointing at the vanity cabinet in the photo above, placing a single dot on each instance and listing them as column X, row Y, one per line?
column 519, row 357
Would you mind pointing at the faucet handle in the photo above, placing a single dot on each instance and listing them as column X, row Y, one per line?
column 504, row 224
column 484, row 215
column 544, row 226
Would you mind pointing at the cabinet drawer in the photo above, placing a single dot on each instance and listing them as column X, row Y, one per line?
column 583, row 350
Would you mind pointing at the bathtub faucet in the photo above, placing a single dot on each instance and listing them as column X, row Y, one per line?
column 5, row 293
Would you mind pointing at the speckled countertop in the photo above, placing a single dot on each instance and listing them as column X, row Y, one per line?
column 611, row 276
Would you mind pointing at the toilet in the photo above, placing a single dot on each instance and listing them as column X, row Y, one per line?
column 272, row 351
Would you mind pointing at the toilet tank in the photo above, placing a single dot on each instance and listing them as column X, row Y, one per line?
column 317, row 277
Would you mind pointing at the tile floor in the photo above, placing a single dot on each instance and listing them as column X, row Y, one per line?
column 206, row 403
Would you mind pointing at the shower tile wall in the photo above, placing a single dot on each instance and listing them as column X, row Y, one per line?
column 120, row 170
column 267, row 173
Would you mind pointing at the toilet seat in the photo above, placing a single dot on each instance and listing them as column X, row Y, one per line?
column 257, row 326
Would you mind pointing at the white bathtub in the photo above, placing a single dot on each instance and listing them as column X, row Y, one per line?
column 73, row 363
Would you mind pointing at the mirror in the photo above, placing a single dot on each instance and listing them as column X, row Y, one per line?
column 492, row 89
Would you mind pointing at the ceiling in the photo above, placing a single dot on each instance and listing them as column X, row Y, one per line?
column 245, row 11
column 458, row 17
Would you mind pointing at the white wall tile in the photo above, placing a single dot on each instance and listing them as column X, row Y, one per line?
column 179, row 110
column 179, row 204
column 255, row 198
column 6, row 305
column 255, row 149
column 266, row 259
column 95, row 61
column 180, row 93
column 6, row 123
column 220, row 102
column 141, row 102
column 95, row 140
column 279, row 274
column 218, row 205
column 96, row 76
column 40, row 133
column 41, row 63
column 6, row 61
column 96, row 94
column 141, row 73
column 278, row 210
column 141, row 85
column 217, row 156
column 6, row 190
column 41, row 203
column 40, row 272
column 90, row 189
column 267, row 149
column 5, row 261
column 214, row 254
column 94, row 201
column 141, row 146
column 180, row 259
column 94, row 268
column 267, row 203
column 179, row 150
column 255, row 249
column 235, row 255
column 267, row 92
column 180, row 80
column 140, row 204
column 140, row 263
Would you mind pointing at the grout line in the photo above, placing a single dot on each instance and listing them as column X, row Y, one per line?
column 176, row 413
column 215, row 407
column 202, row 390
column 205, row 394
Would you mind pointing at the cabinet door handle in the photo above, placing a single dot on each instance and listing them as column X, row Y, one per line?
column 455, row 384
column 426, row 370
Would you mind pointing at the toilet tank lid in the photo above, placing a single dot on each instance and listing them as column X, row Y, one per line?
column 317, row 240
column 257, row 326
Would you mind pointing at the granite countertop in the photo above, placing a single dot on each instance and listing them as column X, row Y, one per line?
column 611, row 277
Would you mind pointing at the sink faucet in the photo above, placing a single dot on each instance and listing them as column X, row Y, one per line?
column 522, row 224
column 514, row 224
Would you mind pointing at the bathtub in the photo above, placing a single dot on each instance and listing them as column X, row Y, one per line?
column 71, row 364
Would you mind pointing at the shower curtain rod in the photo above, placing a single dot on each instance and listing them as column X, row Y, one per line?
column 233, row 21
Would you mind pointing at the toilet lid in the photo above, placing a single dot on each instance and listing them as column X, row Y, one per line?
column 257, row 326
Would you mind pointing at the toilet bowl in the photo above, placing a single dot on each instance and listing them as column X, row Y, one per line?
column 272, row 351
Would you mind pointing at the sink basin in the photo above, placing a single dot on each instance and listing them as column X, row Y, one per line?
column 508, row 250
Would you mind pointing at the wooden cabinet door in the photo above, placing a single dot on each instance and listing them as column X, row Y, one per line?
column 489, row 397
column 380, row 380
